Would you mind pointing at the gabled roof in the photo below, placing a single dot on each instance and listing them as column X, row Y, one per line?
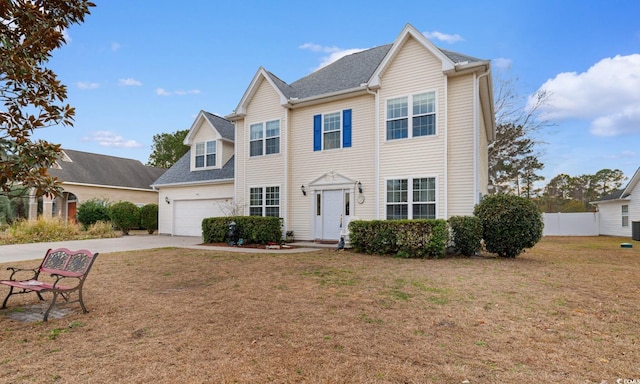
column 355, row 72
column 90, row 168
column 224, row 127
column 180, row 173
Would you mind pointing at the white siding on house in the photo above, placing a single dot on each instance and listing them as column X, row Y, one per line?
column 414, row 70
column 222, row 193
column 460, row 153
column 306, row 165
column 265, row 170
column 611, row 218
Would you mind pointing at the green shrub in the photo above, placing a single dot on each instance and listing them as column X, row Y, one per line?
column 403, row 238
column 149, row 217
column 92, row 211
column 510, row 224
column 466, row 234
column 125, row 216
column 251, row 229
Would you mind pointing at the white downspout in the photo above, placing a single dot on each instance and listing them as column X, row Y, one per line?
column 376, row 152
column 476, row 132
column 286, row 171
column 446, row 147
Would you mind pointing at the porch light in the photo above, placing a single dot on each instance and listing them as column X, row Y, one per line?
column 359, row 187
column 166, row 200
column 304, row 190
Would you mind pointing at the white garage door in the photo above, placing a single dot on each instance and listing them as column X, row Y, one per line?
column 188, row 215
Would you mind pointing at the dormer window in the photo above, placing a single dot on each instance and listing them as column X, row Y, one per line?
column 206, row 154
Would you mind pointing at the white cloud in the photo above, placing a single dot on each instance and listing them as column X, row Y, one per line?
column 111, row 139
column 129, row 82
column 87, row 85
column 607, row 94
column 502, row 63
column 447, row 38
column 334, row 53
column 67, row 37
column 115, row 46
column 163, row 92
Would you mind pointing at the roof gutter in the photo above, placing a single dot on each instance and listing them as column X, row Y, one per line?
column 203, row 182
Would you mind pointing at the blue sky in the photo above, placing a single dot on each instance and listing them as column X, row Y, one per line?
column 138, row 68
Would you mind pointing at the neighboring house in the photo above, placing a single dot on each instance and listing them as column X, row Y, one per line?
column 86, row 176
column 399, row 131
column 619, row 209
column 200, row 184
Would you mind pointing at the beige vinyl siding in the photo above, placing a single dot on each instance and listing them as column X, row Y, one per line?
column 420, row 156
column 306, row 165
column 265, row 170
column 111, row 194
column 461, row 146
column 227, row 152
column 204, row 133
column 185, row 193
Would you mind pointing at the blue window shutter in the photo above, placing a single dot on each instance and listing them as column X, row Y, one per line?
column 317, row 132
column 346, row 128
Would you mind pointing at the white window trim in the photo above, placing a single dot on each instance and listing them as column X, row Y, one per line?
column 264, row 205
column 410, row 194
column 625, row 215
column 264, row 138
column 410, row 115
column 195, row 155
column 340, row 129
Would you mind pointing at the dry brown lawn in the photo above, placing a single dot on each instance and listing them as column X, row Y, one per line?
column 566, row 311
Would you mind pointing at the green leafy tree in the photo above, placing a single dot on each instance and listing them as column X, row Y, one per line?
column 167, row 148
column 31, row 94
column 510, row 224
column 92, row 211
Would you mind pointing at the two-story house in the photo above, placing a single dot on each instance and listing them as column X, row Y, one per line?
column 397, row 131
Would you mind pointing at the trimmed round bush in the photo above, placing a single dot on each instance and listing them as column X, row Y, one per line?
column 510, row 224
column 92, row 211
column 466, row 233
column 149, row 217
column 124, row 216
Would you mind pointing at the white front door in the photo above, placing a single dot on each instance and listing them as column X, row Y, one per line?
column 329, row 211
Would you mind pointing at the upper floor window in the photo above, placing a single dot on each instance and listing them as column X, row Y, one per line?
column 206, row 154
column 625, row 215
column 264, row 138
column 332, row 130
column 419, row 120
column 411, row 198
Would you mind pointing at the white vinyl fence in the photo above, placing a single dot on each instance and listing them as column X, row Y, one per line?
column 571, row 224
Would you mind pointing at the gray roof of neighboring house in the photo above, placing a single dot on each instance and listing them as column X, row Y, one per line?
column 222, row 125
column 348, row 72
column 92, row 168
column 618, row 194
column 181, row 173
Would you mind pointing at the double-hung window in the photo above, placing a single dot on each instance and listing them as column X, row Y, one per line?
column 404, row 121
column 206, row 154
column 332, row 130
column 625, row 215
column 411, row 198
column 264, row 201
column 264, row 138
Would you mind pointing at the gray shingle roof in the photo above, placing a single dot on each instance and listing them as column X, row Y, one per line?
column 181, row 173
column 618, row 194
column 222, row 125
column 92, row 168
column 346, row 73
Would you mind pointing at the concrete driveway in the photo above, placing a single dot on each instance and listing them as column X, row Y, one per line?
column 34, row 251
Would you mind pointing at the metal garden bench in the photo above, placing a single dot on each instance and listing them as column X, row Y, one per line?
column 68, row 270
